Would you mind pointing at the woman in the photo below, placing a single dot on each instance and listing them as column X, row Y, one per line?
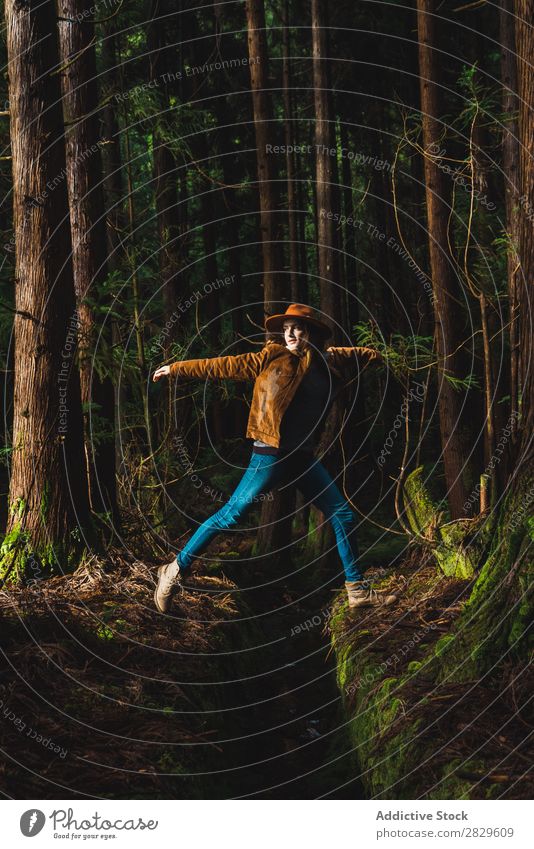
column 294, row 384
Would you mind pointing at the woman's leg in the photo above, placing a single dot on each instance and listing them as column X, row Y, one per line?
column 263, row 473
column 317, row 486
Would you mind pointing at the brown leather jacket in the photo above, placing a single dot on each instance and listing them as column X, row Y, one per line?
column 276, row 372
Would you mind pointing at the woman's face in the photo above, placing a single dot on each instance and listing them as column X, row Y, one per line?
column 295, row 334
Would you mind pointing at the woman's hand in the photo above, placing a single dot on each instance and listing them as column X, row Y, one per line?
column 162, row 371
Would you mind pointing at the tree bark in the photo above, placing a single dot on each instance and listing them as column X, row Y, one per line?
column 328, row 262
column 355, row 433
column 273, row 284
column 275, row 528
column 48, row 495
column 210, row 212
column 88, row 231
column 326, row 161
column 510, row 167
column 114, row 201
column 296, row 287
column 165, row 172
column 455, row 440
column 524, row 10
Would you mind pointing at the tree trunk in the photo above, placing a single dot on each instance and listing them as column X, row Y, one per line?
column 455, row 437
column 232, row 170
column 111, row 151
column 165, row 172
column 296, row 287
column 209, row 209
column 114, row 202
column 302, row 201
column 510, row 167
column 48, row 496
column 326, row 158
column 137, row 298
column 275, row 527
column 210, row 213
column 328, row 263
column 496, row 621
column 356, row 432
column 273, row 284
column 524, row 10
column 88, row 230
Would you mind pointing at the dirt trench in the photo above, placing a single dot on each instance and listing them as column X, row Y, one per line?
column 284, row 733
column 232, row 696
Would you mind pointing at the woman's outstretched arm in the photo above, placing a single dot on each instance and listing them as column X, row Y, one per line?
column 351, row 360
column 239, row 367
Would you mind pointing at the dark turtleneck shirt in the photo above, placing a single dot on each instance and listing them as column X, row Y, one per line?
column 305, row 413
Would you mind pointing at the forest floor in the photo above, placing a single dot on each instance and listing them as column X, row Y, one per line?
column 234, row 695
column 419, row 732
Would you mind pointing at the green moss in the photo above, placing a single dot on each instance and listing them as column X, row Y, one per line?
column 18, row 507
column 421, row 511
column 13, row 561
column 443, row 644
column 499, row 609
column 492, row 624
column 21, row 561
column 388, row 762
column 457, row 555
column 458, row 545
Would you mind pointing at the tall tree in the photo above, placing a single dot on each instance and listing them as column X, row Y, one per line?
column 113, row 197
column 524, row 10
column 327, row 199
column 510, row 167
column 165, row 172
column 89, row 248
column 496, row 622
column 111, row 151
column 275, row 530
column 449, row 322
column 48, row 494
column 297, row 289
column 326, row 162
column 273, row 284
column 231, row 201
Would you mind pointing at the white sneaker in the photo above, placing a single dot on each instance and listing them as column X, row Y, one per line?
column 168, row 582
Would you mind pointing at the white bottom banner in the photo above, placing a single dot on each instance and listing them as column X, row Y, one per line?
column 236, row 824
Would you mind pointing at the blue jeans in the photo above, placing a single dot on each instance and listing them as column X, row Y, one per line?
column 265, row 472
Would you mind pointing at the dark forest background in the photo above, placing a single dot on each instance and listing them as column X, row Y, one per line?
column 173, row 172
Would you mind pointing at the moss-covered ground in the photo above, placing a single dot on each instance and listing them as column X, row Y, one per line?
column 437, row 688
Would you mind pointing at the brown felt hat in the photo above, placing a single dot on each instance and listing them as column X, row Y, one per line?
column 275, row 323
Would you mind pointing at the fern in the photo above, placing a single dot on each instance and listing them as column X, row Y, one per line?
column 402, row 354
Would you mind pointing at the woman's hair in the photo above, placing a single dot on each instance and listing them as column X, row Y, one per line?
column 316, row 337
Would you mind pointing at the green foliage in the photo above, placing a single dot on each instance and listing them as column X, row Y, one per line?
column 5, row 454
column 104, row 633
column 13, row 541
column 460, row 384
column 403, row 354
column 481, row 101
column 99, row 426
